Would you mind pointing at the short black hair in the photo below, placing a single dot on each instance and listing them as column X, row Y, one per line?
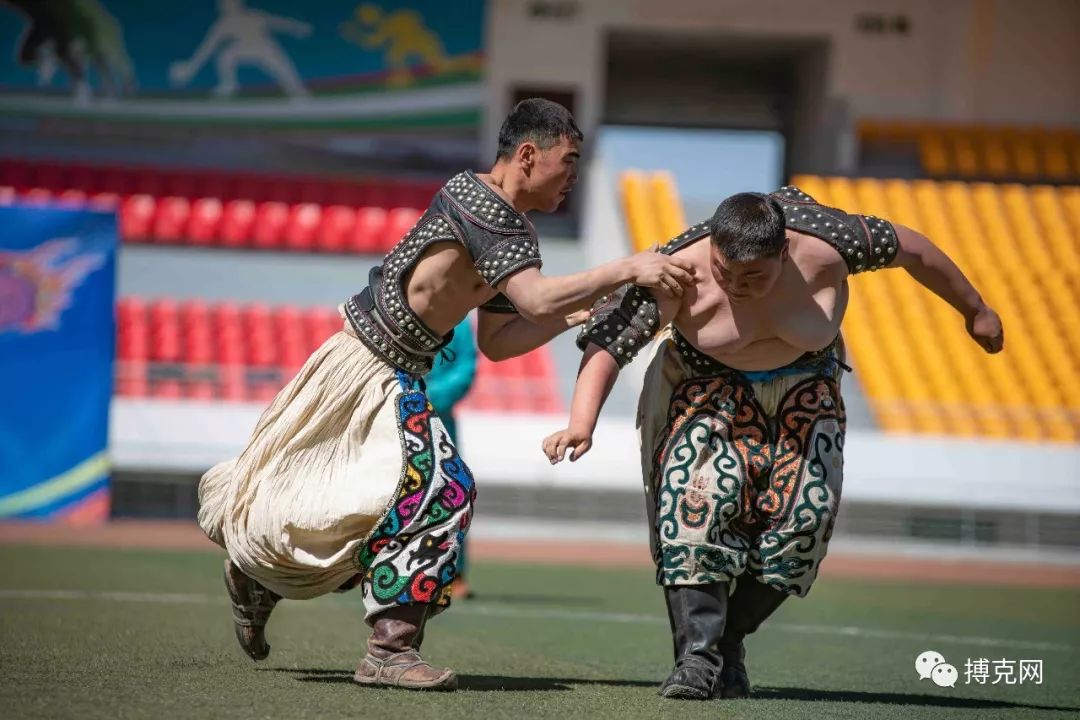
column 748, row 226
column 539, row 121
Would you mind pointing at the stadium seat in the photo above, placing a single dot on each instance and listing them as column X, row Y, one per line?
column 237, row 222
column 367, row 234
column 270, row 220
column 206, row 217
column 170, row 220
column 399, row 222
column 335, row 228
column 223, row 352
column 302, row 226
column 136, row 218
column 919, row 369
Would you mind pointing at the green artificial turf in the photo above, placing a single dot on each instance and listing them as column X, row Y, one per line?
column 104, row 633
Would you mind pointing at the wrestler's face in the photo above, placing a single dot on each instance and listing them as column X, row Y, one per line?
column 747, row 280
column 551, row 173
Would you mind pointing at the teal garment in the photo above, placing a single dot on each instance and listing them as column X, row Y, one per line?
column 453, row 375
column 448, row 382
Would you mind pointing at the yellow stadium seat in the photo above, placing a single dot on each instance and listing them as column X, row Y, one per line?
column 642, row 221
column 933, row 152
column 669, row 210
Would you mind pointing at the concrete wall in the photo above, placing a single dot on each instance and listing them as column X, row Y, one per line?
column 965, row 60
column 190, row 436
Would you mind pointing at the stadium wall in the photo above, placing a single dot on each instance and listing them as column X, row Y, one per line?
column 187, row 437
column 992, row 61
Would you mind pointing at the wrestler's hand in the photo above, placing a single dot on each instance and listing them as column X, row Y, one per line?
column 662, row 272
column 579, row 318
column 985, row 328
column 556, row 445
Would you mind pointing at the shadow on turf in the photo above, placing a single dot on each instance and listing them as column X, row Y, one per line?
column 560, row 600
column 789, row 693
column 480, row 683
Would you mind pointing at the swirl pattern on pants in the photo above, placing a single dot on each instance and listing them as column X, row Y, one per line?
column 412, row 556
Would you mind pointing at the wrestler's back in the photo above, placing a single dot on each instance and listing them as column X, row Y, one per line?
column 802, row 313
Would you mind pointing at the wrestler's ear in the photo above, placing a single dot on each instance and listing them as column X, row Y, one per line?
column 526, row 155
column 785, row 251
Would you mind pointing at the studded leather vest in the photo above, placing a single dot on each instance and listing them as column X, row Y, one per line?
column 627, row 320
column 500, row 241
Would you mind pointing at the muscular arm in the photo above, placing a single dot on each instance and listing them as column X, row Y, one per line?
column 543, row 300
column 935, row 271
column 596, row 376
column 504, row 335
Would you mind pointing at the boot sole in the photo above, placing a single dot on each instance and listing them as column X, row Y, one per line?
column 447, row 684
column 684, row 692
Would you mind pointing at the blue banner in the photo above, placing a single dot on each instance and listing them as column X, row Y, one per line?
column 57, row 334
column 349, row 62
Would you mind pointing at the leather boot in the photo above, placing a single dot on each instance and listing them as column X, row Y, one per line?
column 393, row 656
column 697, row 614
column 749, row 606
column 251, row 605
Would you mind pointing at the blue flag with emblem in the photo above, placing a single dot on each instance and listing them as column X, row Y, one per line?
column 57, row 333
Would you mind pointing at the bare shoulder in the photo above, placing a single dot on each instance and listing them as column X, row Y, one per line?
column 695, row 251
column 815, row 258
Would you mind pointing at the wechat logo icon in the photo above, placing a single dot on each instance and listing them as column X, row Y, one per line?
column 931, row 665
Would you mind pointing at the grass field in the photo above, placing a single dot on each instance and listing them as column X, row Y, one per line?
column 111, row 633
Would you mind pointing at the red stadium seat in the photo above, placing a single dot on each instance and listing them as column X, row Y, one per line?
column 133, row 342
column 237, row 221
column 198, row 346
column 399, row 221
column 131, row 379
column 129, row 310
column 302, row 226
column 104, row 201
column 37, row 196
column 270, row 220
column 369, row 230
column 166, row 389
column 194, row 313
column 163, row 311
column 233, row 383
column 335, row 229
column 229, row 349
column 170, row 220
column 136, row 218
column 320, row 324
column 200, row 390
column 206, row 215
column 72, row 198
